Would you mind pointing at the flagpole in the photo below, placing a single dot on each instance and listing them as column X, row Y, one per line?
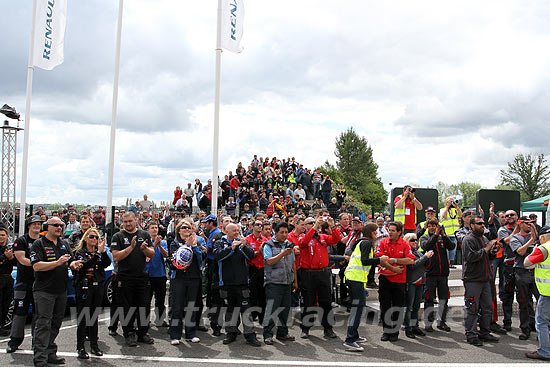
column 30, row 69
column 217, row 112
column 114, row 115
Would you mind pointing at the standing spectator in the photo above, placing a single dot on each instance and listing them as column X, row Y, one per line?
column 146, row 204
column 156, row 268
column 189, row 193
column 341, row 194
column 332, row 208
column 89, row 290
column 72, row 225
column 23, row 284
column 449, row 221
column 177, row 195
column 231, row 254
column 198, row 189
column 539, row 257
column 317, row 178
column 415, row 286
column 225, row 186
column 130, row 248
column 326, row 189
column 280, row 280
column 393, row 279
column 7, row 262
column 256, row 269
column 50, row 259
column 477, row 287
column 406, row 206
column 352, row 209
column 233, row 186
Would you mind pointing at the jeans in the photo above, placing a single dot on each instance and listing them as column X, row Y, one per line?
column 542, row 319
column 414, row 297
column 277, row 309
column 316, row 188
column 358, row 302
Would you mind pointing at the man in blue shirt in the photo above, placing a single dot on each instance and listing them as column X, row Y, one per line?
column 156, row 269
column 213, row 299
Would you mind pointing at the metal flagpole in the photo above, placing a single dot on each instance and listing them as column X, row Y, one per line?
column 217, row 112
column 114, row 116
column 30, row 69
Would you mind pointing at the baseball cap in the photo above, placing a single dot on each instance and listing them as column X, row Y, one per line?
column 430, row 209
column 357, row 219
column 525, row 219
column 34, row 219
column 210, row 218
column 544, row 230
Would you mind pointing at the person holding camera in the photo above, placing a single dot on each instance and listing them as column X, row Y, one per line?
column 406, row 206
column 523, row 243
column 449, row 220
column 476, row 275
column 437, row 275
column 89, row 289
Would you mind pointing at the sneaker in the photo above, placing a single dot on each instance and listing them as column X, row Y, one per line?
column 410, row 334
column 253, row 341
column 361, row 340
column 417, row 331
column 497, row 329
column 229, row 338
column 329, row 333
column 304, row 334
column 394, row 337
column 131, row 340
column 429, row 328
column 489, row 338
column 145, row 339
column 175, row 342
column 475, row 341
column 536, row 355
column 268, row 341
column 524, row 336
column 286, row 338
column 353, row 347
column 11, row 348
column 372, row 285
column 194, row 339
column 81, row 354
column 443, row 326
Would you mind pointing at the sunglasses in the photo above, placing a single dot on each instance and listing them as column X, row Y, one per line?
column 93, row 237
column 309, row 223
column 57, row 225
column 480, row 223
column 185, row 227
column 414, row 240
column 510, row 215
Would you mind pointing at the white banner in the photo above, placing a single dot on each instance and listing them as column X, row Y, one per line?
column 232, row 24
column 49, row 33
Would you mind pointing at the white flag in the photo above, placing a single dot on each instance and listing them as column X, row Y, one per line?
column 232, row 24
column 49, row 33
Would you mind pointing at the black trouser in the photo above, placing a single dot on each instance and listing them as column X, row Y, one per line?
column 49, row 311
column 214, row 302
column 114, row 311
column 526, row 290
column 439, row 284
column 21, row 302
column 315, row 288
column 158, row 289
column 200, row 304
column 343, row 286
column 237, row 302
column 372, row 272
column 184, row 307
column 392, row 302
column 6, row 296
column 507, row 297
column 88, row 307
column 133, row 296
column 257, row 291
column 477, row 295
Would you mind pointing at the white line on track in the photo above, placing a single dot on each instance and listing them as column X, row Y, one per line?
column 258, row 362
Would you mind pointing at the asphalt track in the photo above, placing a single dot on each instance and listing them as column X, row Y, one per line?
column 436, row 349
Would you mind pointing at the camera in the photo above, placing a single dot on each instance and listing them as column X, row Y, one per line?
column 412, row 189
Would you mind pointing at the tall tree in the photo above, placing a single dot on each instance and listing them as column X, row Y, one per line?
column 358, row 169
column 528, row 174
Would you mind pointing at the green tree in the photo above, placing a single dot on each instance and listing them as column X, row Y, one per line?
column 465, row 190
column 528, row 174
column 358, row 170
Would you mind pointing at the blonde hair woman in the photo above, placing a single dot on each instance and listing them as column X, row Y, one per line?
column 89, row 289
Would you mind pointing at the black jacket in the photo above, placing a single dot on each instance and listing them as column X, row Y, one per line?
column 476, row 265
column 233, row 269
column 438, row 264
column 93, row 266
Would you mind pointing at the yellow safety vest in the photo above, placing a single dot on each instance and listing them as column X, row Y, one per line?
column 292, row 178
column 355, row 270
column 542, row 273
column 450, row 224
column 399, row 214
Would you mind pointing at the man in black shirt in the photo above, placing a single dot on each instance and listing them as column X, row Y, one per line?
column 23, row 283
column 50, row 257
column 7, row 261
column 130, row 248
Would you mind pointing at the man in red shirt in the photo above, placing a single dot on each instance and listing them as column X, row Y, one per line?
column 294, row 237
column 393, row 279
column 406, row 206
column 315, row 273
column 256, row 269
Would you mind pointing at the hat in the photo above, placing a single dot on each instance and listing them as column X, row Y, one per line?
column 525, row 219
column 357, row 219
column 210, row 218
column 544, row 230
column 34, row 219
column 430, row 209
